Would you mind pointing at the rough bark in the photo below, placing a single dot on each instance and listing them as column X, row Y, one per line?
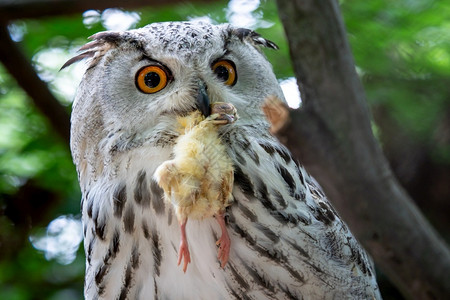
column 332, row 136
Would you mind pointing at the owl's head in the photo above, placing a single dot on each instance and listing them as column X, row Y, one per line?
column 138, row 81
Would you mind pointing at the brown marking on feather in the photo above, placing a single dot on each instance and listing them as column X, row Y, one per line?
column 141, row 192
column 328, row 211
column 279, row 198
column 247, row 147
column 100, row 228
column 243, row 181
column 240, row 280
column 321, row 216
column 119, row 199
column 288, row 179
column 157, row 254
column 155, row 284
column 299, row 172
column 99, row 224
column 240, row 159
column 288, row 292
column 284, row 218
column 268, row 148
column 268, row 233
column 145, row 229
column 90, row 205
column 259, row 279
column 115, row 243
column 103, row 270
column 264, row 196
column 132, row 265
column 299, row 249
column 126, row 283
column 295, row 274
column 275, row 256
column 90, row 248
column 284, row 153
column 247, row 213
column 157, row 197
column 128, row 219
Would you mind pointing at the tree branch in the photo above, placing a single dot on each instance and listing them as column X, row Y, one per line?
column 20, row 68
column 332, row 136
column 20, row 9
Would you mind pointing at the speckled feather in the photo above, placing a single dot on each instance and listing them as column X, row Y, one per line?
column 287, row 240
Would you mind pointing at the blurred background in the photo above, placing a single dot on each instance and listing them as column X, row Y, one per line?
column 402, row 54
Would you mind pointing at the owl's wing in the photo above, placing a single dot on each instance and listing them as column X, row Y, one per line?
column 291, row 242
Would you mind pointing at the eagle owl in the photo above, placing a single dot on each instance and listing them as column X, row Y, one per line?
column 286, row 240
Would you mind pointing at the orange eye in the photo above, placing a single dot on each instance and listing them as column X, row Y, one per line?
column 151, row 79
column 225, row 71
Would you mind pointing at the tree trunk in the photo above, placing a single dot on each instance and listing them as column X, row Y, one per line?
column 331, row 134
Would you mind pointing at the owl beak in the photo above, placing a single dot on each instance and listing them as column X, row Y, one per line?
column 203, row 102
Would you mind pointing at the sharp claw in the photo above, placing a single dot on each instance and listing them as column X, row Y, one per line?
column 223, row 113
column 223, row 119
column 230, row 118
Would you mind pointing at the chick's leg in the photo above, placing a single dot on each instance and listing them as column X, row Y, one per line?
column 224, row 242
column 183, row 250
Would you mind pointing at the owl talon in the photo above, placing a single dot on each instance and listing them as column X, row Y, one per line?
column 223, row 113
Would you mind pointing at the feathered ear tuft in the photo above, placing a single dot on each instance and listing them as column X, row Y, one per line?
column 102, row 42
column 253, row 37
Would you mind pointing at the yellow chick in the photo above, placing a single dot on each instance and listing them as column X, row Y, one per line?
column 199, row 180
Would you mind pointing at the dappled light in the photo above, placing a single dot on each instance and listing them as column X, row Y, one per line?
column 48, row 61
column 402, row 54
column 291, row 92
column 61, row 239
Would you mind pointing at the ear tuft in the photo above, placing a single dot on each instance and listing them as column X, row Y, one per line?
column 95, row 49
column 253, row 37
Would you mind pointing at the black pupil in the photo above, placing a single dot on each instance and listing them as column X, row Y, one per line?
column 152, row 79
column 222, row 73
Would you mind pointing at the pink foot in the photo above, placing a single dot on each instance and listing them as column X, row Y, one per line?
column 183, row 250
column 224, row 242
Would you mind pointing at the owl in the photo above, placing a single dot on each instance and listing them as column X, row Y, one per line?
column 286, row 240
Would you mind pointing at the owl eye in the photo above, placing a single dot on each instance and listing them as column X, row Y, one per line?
column 225, row 70
column 151, row 79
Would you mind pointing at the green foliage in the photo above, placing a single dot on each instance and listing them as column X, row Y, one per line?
column 402, row 50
